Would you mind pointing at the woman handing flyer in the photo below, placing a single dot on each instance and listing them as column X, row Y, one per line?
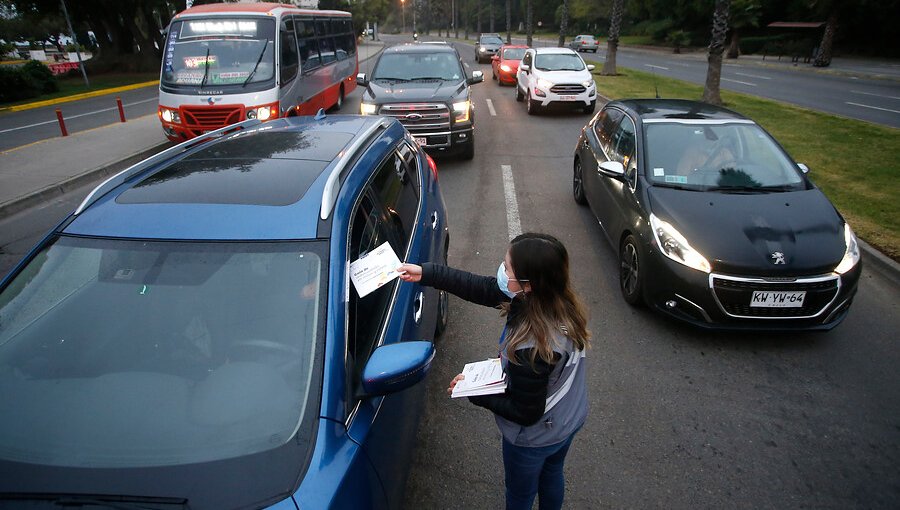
column 542, row 352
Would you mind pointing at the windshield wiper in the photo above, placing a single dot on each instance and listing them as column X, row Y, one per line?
column 87, row 502
column 390, row 79
column 675, row 186
column 428, row 78
column 205, row 69
column 752, row 189
column 258, row 60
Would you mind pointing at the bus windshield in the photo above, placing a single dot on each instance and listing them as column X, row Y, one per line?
column 217, row 51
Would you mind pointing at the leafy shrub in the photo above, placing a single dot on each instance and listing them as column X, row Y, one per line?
column 42, row 76
column 23, row 82
column 657, row 29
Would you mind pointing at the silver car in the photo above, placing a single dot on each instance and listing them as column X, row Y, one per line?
column 584, row 43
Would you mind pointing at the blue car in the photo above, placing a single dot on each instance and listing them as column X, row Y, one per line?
column 190, row 337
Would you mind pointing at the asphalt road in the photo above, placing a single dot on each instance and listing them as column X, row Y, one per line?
column 27, row 126
column 679, row 418
column 846, row 93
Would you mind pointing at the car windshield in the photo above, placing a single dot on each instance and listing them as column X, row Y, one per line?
column 120, row 354
column 219, row 52
column 558, row 62
column 718, row 157
column 418, row 66
column 513, row 53
column 491, row 39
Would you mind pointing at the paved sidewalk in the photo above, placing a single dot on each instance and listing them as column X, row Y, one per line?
column 34, row 173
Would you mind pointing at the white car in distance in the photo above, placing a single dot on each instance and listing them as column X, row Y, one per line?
column 555, row 77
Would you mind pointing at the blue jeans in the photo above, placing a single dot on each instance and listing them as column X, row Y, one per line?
column 534, row 472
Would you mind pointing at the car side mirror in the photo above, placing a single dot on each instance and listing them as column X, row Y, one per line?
column 803, row 168
column 396, row 367
column 524, row 68
column 362, row 80
column 590, row 67
column 613, row 169
column 477, row 77
column 495, row 58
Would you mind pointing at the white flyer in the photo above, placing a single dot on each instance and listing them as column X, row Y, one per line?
column 374, row 269
column 481, row 378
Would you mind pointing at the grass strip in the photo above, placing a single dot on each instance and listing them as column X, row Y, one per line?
column 74, row 84
column 855, row 163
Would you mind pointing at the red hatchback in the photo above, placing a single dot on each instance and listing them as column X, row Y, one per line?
column 505, row 63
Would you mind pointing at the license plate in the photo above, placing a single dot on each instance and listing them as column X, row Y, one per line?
column 421, row 140
column 766, row 299
column 566, row 98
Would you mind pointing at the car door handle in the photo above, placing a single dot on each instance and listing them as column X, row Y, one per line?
column 417, row 313
column 434, row 220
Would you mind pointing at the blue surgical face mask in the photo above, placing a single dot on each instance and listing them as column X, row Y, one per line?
column 503, row 281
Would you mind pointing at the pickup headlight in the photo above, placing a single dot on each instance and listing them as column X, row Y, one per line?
column 851, row 253
column 673, row 245
column 367, row 108
column 544, row 84
column 461, row 111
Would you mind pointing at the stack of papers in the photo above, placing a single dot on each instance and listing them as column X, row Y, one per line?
column 482, row 378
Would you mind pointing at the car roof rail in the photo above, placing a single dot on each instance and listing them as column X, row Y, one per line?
column 119, row 178
column 330, row 193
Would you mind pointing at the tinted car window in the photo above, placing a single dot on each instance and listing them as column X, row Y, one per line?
column 412, row 66
column 605, row 127
column 121, row 353
column 398, row 195
column 289, row 57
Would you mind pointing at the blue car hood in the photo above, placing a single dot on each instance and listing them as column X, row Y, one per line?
column 741, row 233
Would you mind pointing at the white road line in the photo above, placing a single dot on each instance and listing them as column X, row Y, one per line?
column 873, row 107
column 753, row 76
column 491, row 108
column 741, row 82
column 657, row 67
column 512, row 208
column 871, row 94
column 65, row 117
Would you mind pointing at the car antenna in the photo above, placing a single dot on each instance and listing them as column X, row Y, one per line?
column 321, row 113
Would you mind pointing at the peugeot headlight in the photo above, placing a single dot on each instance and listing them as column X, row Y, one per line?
column 505, row 68
column 461, row 111
column 544, row 84
column 673, row 245
column 367, row 108
column 851, row 253
column 587, row 84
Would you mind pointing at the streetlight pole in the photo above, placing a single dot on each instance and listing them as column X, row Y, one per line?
column 403, row 13
column 75, row 41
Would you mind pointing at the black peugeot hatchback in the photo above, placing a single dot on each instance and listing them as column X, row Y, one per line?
column 713, row 221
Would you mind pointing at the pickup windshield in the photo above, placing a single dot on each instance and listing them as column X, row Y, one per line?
column 418, row 66
column 219, row 52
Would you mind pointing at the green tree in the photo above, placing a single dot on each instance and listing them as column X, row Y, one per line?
column 711, row 93
column 744, row 14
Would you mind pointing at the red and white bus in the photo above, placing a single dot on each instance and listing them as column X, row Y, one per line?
column 224, row 63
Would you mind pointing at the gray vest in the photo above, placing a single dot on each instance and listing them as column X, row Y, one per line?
column 566, row 407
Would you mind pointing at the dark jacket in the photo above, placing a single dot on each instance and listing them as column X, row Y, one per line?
column 527, row 382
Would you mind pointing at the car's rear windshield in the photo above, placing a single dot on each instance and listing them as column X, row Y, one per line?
column 738, row 156
column 417, row 66
column 122, row 353
column 558, row 62
column 514, row 53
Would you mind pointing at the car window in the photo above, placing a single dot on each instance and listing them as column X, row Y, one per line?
column 558, row 62
column 410, row 157
column 527, row 59
column 513, row 53
column 417, row 66
column 399, row 196
column 623, row 142
column 490, row 39
column 605, row 126
column 289, row 58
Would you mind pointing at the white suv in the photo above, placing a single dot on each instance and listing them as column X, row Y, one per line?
column 555, row 76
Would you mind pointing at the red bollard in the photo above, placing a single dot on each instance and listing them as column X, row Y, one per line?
column 62, row 123
column 121, row 109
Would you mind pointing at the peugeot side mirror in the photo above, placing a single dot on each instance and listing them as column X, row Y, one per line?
column 524, row 68
column 361, row 79
column 590, row 67
column 803, row 168
column 612, row 169
column 477, row 77
column 396, row 367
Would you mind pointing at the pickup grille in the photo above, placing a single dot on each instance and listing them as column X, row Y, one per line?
column 572, row 88
column 419, row 118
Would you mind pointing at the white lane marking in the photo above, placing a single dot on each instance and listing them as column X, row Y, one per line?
column 873, row 107
column 753, row 76
column 741, row 82
column 871, row 94
column 491, row 108
column 657, row 67
column 66, row 117
column 512, row 208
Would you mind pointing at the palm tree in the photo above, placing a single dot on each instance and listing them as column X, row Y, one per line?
column 508, row 20
column 711, row 92
column 744, row 14
column 529, row 26
column 823, row 55
column 563, row 23
column 612, row 42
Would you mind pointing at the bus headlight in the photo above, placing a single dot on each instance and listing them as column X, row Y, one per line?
column 367, row 108
column 264, row 112
column 169, row 115
column 851, row 252
column 461, row 111
column 673, row 245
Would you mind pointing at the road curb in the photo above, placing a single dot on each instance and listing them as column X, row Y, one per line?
column 42, row 195
column 76, row 97
column 884, row 265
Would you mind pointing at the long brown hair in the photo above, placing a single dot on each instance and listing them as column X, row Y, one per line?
column 543, row 262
